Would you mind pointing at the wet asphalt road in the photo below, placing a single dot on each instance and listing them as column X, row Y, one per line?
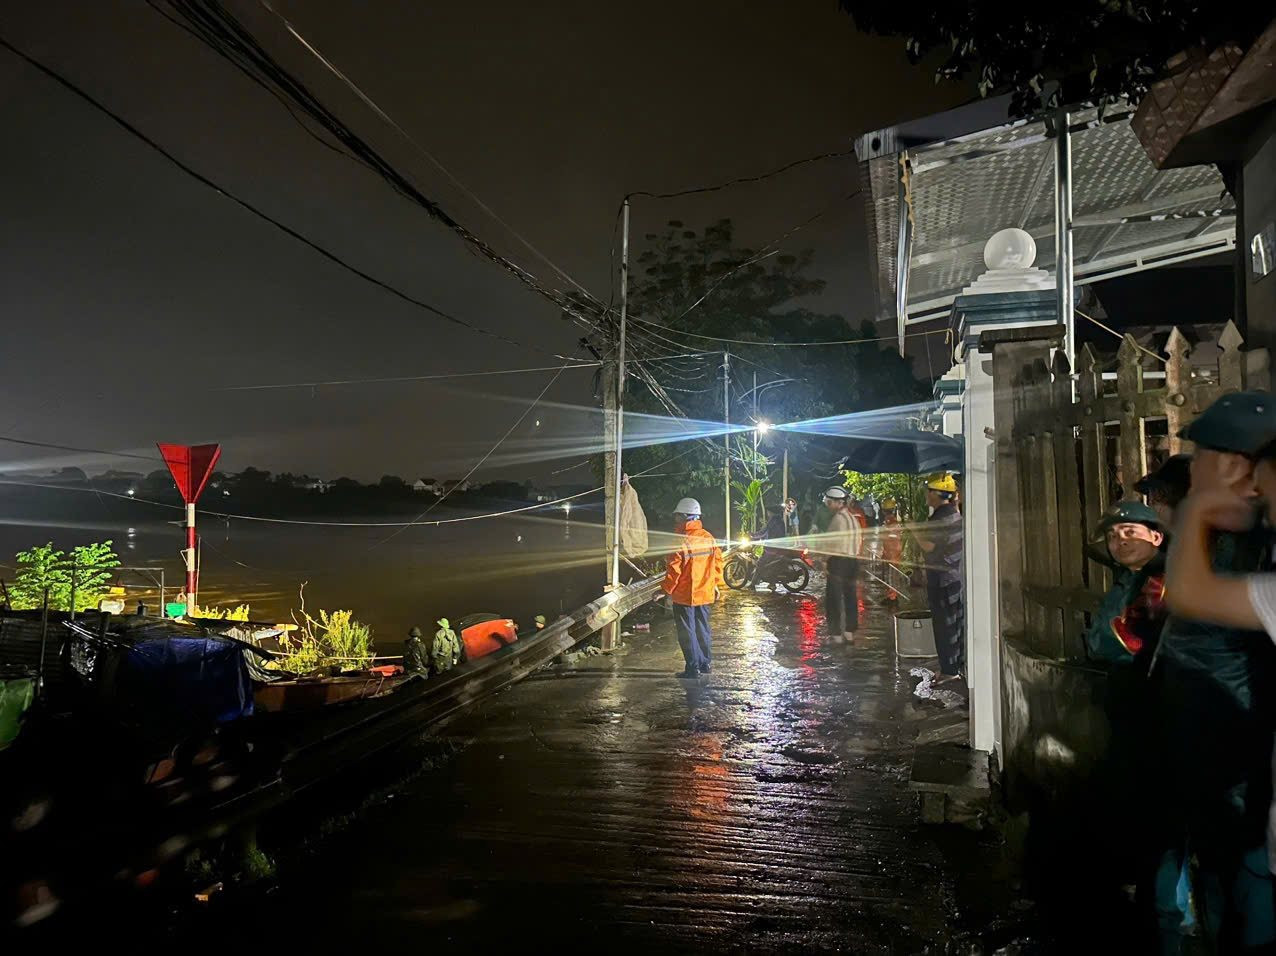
column 609, row 804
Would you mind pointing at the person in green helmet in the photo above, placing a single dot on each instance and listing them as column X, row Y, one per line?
column 1216, row 706
column 416, row 657
column 445, row 650
column 1128, row 623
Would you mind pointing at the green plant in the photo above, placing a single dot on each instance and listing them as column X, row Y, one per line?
column 45, row 569
column 239, row 613
column 749, row 504
column 346, row 638
column 334, row 638
column 909, row 492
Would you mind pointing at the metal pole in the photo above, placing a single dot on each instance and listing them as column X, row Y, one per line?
column 1063, row 234
column 784, row 481
column 726, row 443
column 74, row 582
column 620, row 395
column 903, row 249
column 44, row 639
column 190, row 559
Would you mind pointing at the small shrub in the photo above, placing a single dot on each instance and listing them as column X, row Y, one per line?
column 239, row 613
column 335, row 638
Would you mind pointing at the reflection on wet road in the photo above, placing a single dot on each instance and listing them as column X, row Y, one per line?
column 610, row 804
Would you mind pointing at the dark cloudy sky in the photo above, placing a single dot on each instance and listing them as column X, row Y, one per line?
column 130, row 291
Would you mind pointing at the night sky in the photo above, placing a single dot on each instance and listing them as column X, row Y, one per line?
column 131, row 292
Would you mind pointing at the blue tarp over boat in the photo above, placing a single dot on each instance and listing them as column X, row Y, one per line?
column 189, row 680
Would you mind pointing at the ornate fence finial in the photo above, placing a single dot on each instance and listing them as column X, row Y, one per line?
column 1178, row 387
column 1231, row 364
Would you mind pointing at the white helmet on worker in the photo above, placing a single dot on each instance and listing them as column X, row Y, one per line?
column 836, row 493
column 688, row 507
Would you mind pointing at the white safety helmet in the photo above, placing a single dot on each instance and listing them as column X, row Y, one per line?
column 837, row 493
column 688, row 507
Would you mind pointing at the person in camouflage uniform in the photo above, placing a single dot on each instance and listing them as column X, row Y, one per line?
column 445, row 651
column 416, row 657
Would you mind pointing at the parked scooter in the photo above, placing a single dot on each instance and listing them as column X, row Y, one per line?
column 744, row 569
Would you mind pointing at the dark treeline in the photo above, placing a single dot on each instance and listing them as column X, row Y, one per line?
column 257, row 492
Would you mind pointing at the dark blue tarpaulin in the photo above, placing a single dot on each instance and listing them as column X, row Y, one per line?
column 189, row 680
column 881, row 449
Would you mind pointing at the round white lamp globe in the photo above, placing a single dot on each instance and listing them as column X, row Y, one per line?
column 1010, row 249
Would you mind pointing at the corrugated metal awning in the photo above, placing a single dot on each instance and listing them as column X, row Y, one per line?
column 1127, row 215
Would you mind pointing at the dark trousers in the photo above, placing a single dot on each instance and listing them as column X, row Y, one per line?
column 694, row 636
column 841, row 595
column 1215, row 793
column 947, row 615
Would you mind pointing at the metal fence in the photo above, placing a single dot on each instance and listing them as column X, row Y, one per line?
column 1067, row 448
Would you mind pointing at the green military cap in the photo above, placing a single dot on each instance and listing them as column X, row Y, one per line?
column 1242, row 422
column 1128, row 512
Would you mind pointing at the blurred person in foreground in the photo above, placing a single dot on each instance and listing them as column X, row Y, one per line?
column 1214, row 672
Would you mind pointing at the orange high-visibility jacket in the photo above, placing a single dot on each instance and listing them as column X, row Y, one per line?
column 694, row 571
column 892, row 539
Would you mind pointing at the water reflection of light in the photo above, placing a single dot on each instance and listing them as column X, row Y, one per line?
column 808, row 616
column 709, row 778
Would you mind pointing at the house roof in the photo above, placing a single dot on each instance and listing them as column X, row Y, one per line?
column 1127, row 215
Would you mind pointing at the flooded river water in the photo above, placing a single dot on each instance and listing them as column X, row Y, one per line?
column 516, row 566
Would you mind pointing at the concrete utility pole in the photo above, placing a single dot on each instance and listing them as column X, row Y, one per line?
column 611, row 510
column 614, row 426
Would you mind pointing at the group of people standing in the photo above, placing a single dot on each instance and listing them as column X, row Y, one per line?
column 940, row 542
column 693, row 574
column 1186, row 631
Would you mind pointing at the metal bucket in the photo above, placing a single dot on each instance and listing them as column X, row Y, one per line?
column 914, row 635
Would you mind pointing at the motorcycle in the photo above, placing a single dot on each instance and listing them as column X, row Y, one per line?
column 792, row 569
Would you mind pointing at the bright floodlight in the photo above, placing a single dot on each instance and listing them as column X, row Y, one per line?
column 764, row 427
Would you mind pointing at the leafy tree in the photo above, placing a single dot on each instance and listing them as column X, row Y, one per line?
column 46, row 569
column 252, row 479
column 393, row 484
column 907, row 490
column 1091, row 49
column 89, row 569
column 41, row 570
column 704, row 282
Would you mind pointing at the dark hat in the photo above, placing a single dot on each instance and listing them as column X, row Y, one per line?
column 1174, row 476
column 415, row 632
column 1129, row 512
column 1242, row 423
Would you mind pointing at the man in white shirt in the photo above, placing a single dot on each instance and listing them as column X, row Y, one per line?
column 842, row 545
column 1236, row 705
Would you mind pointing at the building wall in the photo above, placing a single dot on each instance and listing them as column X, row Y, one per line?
column 1055, row 729
column 1259, row 201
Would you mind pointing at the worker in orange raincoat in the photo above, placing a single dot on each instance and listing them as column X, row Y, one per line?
column 693, row 580
column 892, row 540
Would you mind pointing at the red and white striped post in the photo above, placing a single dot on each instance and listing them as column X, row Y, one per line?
column 191, row 466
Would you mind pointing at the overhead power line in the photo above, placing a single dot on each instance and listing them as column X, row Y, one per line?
column 124, row 124
column 220, row 30
column 83, row 451
column 741, row 180
column 372, row 105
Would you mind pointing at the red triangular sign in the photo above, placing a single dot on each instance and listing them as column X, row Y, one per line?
column 191, row 466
